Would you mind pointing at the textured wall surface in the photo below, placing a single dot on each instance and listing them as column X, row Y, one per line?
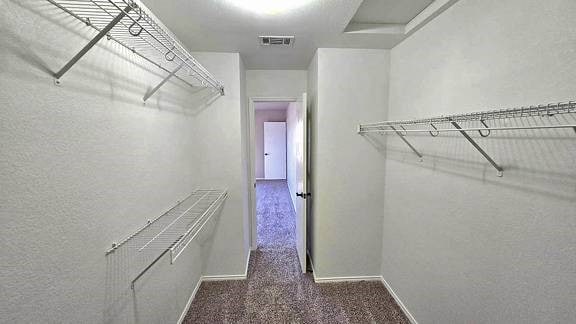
column 260, row 117
column 275, row 83
column 348, row 183
column 219, row 143
column 86, row 163
column 312, row 107
column 270, row 84
column 460, row 244
column 246, row 162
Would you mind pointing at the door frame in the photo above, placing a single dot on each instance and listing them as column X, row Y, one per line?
column 252, row 162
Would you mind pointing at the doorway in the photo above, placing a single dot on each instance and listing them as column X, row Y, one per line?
column 278, row 160
column 274, row 150
column 270, row 140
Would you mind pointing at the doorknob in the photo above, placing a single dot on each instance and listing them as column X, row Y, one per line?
column 266, row 154
column 303, row 195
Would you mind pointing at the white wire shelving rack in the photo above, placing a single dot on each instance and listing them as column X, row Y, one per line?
column 132, row 25
column 169, row 233
column 403, row 128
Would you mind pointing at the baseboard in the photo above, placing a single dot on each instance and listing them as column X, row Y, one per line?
column 311, row 265
column 231, row 277
column 200, row 281
column 247, row 263
column 189, row 303
column 316, row 279
column 368, row 278
column 224, row 277
column 292, row 200
column 399, row 302
column 339, row 279
column 213, row 278
column 346, row 279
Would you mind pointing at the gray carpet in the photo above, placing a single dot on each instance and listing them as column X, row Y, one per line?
column 276, row 290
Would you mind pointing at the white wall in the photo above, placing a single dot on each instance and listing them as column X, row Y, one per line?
column 312, row 107
column 270, row 84
column 219, row 144
column 275, row 83
column 260, row 117
column 293, row 135
column 348, row 174
column 460, row 244
column 246, row 165
column 85, row 164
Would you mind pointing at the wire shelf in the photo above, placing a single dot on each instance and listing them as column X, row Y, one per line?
column 481, row 123
column 132, row 25
column 170, row 232
column 547, row 110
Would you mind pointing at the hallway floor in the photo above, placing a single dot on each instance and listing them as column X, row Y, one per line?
column 276, row 290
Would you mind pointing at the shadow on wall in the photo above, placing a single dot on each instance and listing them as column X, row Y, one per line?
column 535, row 161
column 125, row 263
column 109, row 70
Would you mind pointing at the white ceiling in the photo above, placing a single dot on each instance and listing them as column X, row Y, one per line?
column 219, row 26
column 271, row 105
column 389, row 11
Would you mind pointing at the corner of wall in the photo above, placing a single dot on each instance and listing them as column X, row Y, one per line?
column 245, row 139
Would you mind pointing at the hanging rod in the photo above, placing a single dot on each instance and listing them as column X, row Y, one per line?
column 185, row 239
column 132, row 25
column 186, row 227
column 176, row 219
column 170, row 233
column 398, row 127
column 478, row 129
column 546, row 110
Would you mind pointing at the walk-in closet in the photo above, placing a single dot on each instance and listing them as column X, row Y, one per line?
column 287, row 161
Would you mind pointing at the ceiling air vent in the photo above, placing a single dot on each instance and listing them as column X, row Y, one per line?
column 276, row 40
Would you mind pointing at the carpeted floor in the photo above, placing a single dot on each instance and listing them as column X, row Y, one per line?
column 276, row 290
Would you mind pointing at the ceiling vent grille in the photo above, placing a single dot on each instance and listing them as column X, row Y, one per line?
column 276, row 40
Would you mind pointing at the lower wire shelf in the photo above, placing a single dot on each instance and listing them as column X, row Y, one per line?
column 185, row 239
column 170, row 232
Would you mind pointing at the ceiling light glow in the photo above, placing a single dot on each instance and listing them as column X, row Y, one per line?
column 269, row 7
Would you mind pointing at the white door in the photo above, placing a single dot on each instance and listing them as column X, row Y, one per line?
column 302, row 181
column 275, row 150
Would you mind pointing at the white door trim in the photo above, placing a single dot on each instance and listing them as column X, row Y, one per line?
column 301, row 182
column 252, row 159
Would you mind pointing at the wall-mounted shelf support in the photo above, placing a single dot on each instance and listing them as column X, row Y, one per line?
column 159, row 85
column 185, row 239
column 132, row 25
column 481, row 122
column 103, row 32
column 476, row 146
column 170, row 233
column 147, row 268
column 403, row 137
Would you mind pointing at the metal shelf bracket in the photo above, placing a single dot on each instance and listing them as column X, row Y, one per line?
column 169, row 233
column 133, row 26
column 428, row 125
column 159, row 85
column 91, row 44
column 500, row 170
column 403, row 137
